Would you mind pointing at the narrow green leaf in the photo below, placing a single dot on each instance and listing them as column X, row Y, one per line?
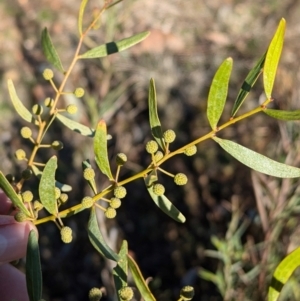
column 114, row 47
column 76, row 126
column 283, row 115
column 18, row 105
column 248, row 83
column 164, row 204
column 153, row 116
column 282, row 274
column 61, row 186
column 33, row 268
column 97, row 239
column 100, row 149
column 208, row 276
column 218, row 93
column 272, row 58
column 47, row 186
column 50, row 51
column 257, row 161
column 80, row 16
column 11, row 194
column 139, row 280
column 120, row 272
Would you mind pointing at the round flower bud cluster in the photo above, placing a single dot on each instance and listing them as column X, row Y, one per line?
column 37, row 109
column 66, row 234
column 26, row 173
column 27, row 196
column 63, row 197
column 169, row 136
column 120, row 192
column 20, row 217
column 87, row 202
column 126, row 293
column 121, row 159
column 79, row 92
column 158, row 189
column 110, row 212
column 191, row 150
column 48, row 102
column 187, row 293
column 57, row 145
column 158, row 156
column 180, row 179
column 71, row 109
column 89, row 174
column 37, row 205
column 57, row 193
column 151, row 146
column 95, row 294
column 26, row 132
column 48, row 74
column 115, row 203
column 20, row 154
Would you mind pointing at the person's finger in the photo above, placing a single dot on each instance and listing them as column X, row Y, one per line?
column 12, row 284
column 13, row 239
column 5, row 203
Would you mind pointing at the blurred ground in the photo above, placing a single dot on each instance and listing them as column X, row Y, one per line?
column 188, row 41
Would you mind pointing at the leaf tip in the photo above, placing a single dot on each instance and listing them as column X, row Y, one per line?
column 283, row 21
column 101, row 124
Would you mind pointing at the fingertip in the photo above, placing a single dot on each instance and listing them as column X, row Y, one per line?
column 13, row 240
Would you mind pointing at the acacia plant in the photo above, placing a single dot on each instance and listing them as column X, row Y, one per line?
column 52, row 194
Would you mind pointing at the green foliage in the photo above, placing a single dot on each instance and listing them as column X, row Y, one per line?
column 33, row 268
column 153, row 116
column 272, row 58
column 113, row 47
column 218, row 93
column 100, row 149
column 282, row 274
column 257, row 161
column 120, row 271
column 50, row 51
column 47, row 186
column 283, row 115
column 11, row 193
column 248, row 83
column 97, row 240
column 49, row 191
column 164, row 204
column 139, row 280
column 18, row 105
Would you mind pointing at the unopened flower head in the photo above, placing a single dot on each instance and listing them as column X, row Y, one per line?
column 79, row 92
column 66, row 234
column 48, row 74
column 151, row 146
column 26, row 132
column 180, row 179
column 95, row 294
column 191, row 150
column 120, row 192
column 121, row 159
column 158, row 189
column 169, row 136
column 110, row 213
